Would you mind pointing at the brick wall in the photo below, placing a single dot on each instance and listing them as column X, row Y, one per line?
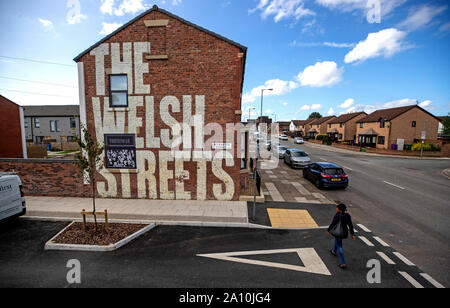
column 402, row 126
column 58, row 178
column 10, row 128
column 197, row 64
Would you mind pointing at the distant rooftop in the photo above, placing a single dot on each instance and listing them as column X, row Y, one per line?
column 51, row 111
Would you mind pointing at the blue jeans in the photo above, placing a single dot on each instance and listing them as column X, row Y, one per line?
column 338, row 249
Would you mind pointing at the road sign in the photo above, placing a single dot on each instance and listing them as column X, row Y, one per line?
column 312, row 262
column 424, row 135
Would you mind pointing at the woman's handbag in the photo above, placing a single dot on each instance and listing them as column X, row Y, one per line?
column 338, row 230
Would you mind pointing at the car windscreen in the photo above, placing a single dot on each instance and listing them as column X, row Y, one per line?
column 299, row 154
column 282, row 148
column 334, row 171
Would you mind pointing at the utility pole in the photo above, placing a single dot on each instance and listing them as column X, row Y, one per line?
column 255, row 167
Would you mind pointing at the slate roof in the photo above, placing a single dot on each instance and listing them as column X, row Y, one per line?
column 346, row 117
column 51, row 111
column 322, row 120
column 386, row 114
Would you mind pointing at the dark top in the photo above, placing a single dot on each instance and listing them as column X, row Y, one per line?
column 346, row 222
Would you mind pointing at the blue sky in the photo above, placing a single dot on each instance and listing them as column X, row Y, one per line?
column 331, row 56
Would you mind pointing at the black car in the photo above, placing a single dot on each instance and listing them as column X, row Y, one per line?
column 326, row 175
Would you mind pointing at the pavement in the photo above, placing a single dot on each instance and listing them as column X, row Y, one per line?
column 194, row 257
column 177, row 211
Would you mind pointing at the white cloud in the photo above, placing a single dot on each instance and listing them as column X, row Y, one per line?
column 46, row 23
column 347, row 104
column 386, row 6
column 426, row 104
column 445, row 27
column 339, row 45
column 316, row 107
column 126, row 7
column 107, row 7
column 326, row 44
column 385, row 43
column 321, row 74
column 176, row 2
column 285, row 104
column 331, row 112
column 75, row 18
column 305, row 108
column 109, row 28
column 421, row 16
column 282, row 9
column 279, row 87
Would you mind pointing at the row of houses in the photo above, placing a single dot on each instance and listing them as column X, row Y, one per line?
column 384, row 129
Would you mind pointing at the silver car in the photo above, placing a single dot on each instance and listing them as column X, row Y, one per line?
column 281, row 151
column 297, row 159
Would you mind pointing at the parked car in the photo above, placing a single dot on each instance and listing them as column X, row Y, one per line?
column 326, row 175
column 12, row 199
column 281, row 151
column 299, row 140
column 283, row 137
column 297, row 158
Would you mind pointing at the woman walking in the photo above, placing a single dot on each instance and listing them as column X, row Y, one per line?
column 339, row 228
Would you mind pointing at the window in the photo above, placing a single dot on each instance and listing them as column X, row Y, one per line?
column 341, row 125
column 382, row 124
column 73, row 123
column 361, row 125
column 118, row 89
column 329, row 125
column 71, row 139
column 414, row 124
column 37, row 123
column 26, row 124
column 54, row 126
column 381, row 140
column 244, row 158
column 340, row 136
column 120, row 151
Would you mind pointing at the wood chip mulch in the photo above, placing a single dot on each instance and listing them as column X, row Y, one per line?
column 75, row 234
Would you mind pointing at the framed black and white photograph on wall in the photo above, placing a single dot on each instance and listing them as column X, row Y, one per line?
column 120, row 151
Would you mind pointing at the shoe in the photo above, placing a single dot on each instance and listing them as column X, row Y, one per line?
column 343, row 266
column 333, row 253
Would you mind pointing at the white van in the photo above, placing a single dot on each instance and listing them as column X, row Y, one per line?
column 12, row 199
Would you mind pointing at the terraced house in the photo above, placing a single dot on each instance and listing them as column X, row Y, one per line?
column 319, row 126
column 164, row 96
column 393, row 128
column 343, row 128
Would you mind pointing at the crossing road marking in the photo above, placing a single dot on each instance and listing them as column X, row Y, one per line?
column 432, row 281
column 385, row 258
column 312, row 262
column 379, row 240
column 401, row 257
column 395, row 185
column 368, row 243
column 411, row 280
column 364, row 228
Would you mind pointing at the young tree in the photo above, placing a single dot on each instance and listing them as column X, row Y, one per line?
column 446, row 123
column 315, row 115
column 89, row 161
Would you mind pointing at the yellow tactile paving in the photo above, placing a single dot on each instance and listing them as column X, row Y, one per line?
column 281, row 218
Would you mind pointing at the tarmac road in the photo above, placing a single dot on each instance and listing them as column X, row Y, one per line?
column 405, row 201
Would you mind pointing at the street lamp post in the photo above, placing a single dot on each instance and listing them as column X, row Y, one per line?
column 249, row 112
column 258, row 151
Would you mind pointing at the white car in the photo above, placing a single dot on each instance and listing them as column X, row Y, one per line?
column 283, row 137
column 299, row 140
column 12, row 199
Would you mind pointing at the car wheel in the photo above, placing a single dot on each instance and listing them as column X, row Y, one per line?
column 318, row 184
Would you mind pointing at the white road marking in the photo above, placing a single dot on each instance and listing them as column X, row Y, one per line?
column 323, row 159
column 401, row 257
column 274, row 193
column 379, row 240
column 301, row 189
column 368, row 243
column 309, row 257
column 395, row 185
column 364, row 228
column 348, row 168
column 411, row 280
column 432, row 281
column 385, row 258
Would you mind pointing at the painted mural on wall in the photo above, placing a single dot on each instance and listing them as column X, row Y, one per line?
column 137, row 152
